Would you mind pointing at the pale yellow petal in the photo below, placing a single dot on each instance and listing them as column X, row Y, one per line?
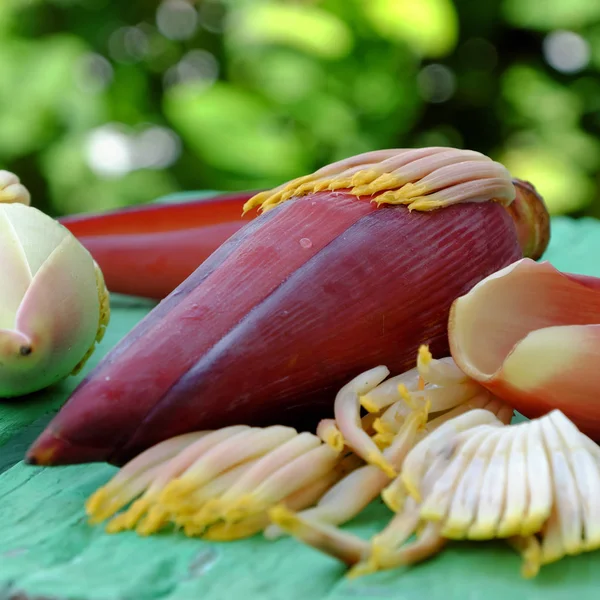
column 587, row 476
column 415, row 464
column 493, row 490
column 455, row 495
column 566, row 498
column 515, row 507
column 539, row 479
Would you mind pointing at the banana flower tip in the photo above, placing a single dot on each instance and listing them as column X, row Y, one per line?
column 51, row 449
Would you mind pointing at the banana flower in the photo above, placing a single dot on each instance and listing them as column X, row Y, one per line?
column 352, row 266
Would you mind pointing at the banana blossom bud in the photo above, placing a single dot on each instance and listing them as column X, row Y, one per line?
column 424, row 225
column 53, row 302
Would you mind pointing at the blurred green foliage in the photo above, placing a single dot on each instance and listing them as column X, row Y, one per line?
column 105, row 104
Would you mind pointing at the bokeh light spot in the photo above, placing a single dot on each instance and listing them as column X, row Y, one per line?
column 232, row 129
column 211, row 15
column 546, row 15
column 429, row 27
column 177, row 19
column 113, row 150
column 197, row 66
column 94, row 73
column 282, row 74
column 128, row 44
column 539, row 98
column 562, row 183
column 306, row 28
column 108, row 151
column 436, row 83
column 156, row 148
column 566, row 51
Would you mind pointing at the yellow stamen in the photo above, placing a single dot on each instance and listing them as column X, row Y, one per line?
column 286, row 519
column 329, row 433
column 191, row 529
column 384, row 182
column 388, row 180
column 176, row 493
column 425, row 204
column 361, row 569
column 390, row 197
column 531, row 552
column 155, row 520
column 209, row 513
column 243, row 507
column 408, row 398
column 129, row 518
column 405, row 394
column 424, row 358
column 335, row 440
column 411, row 191
column 256, row 201
column 287, row 195
column 379, row 461
column 368, row 404
column 393, row 495
column 383, row 440
column 382, row 427
column 363, row 177
column 117, row 524
column 336, row 184
column 225, row 532
column 411, row 487
column 94, row 505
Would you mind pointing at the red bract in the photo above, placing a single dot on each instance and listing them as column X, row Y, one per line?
column 531, row 335
column 302, row 299
column 149, row 250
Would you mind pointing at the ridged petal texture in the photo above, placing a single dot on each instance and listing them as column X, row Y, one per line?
column 531, row 335
column 267, row 330
column 53, row 303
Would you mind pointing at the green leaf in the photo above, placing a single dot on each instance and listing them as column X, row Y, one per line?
column 301, row 26
column 38, row 92
column 234, row 130
column 546, row 15
column 539, row 98
column 429, row 27
column 563, row 184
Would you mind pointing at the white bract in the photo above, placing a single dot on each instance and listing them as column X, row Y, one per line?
column 53, row 301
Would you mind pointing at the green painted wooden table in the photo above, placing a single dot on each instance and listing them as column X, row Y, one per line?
column 48, row 551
